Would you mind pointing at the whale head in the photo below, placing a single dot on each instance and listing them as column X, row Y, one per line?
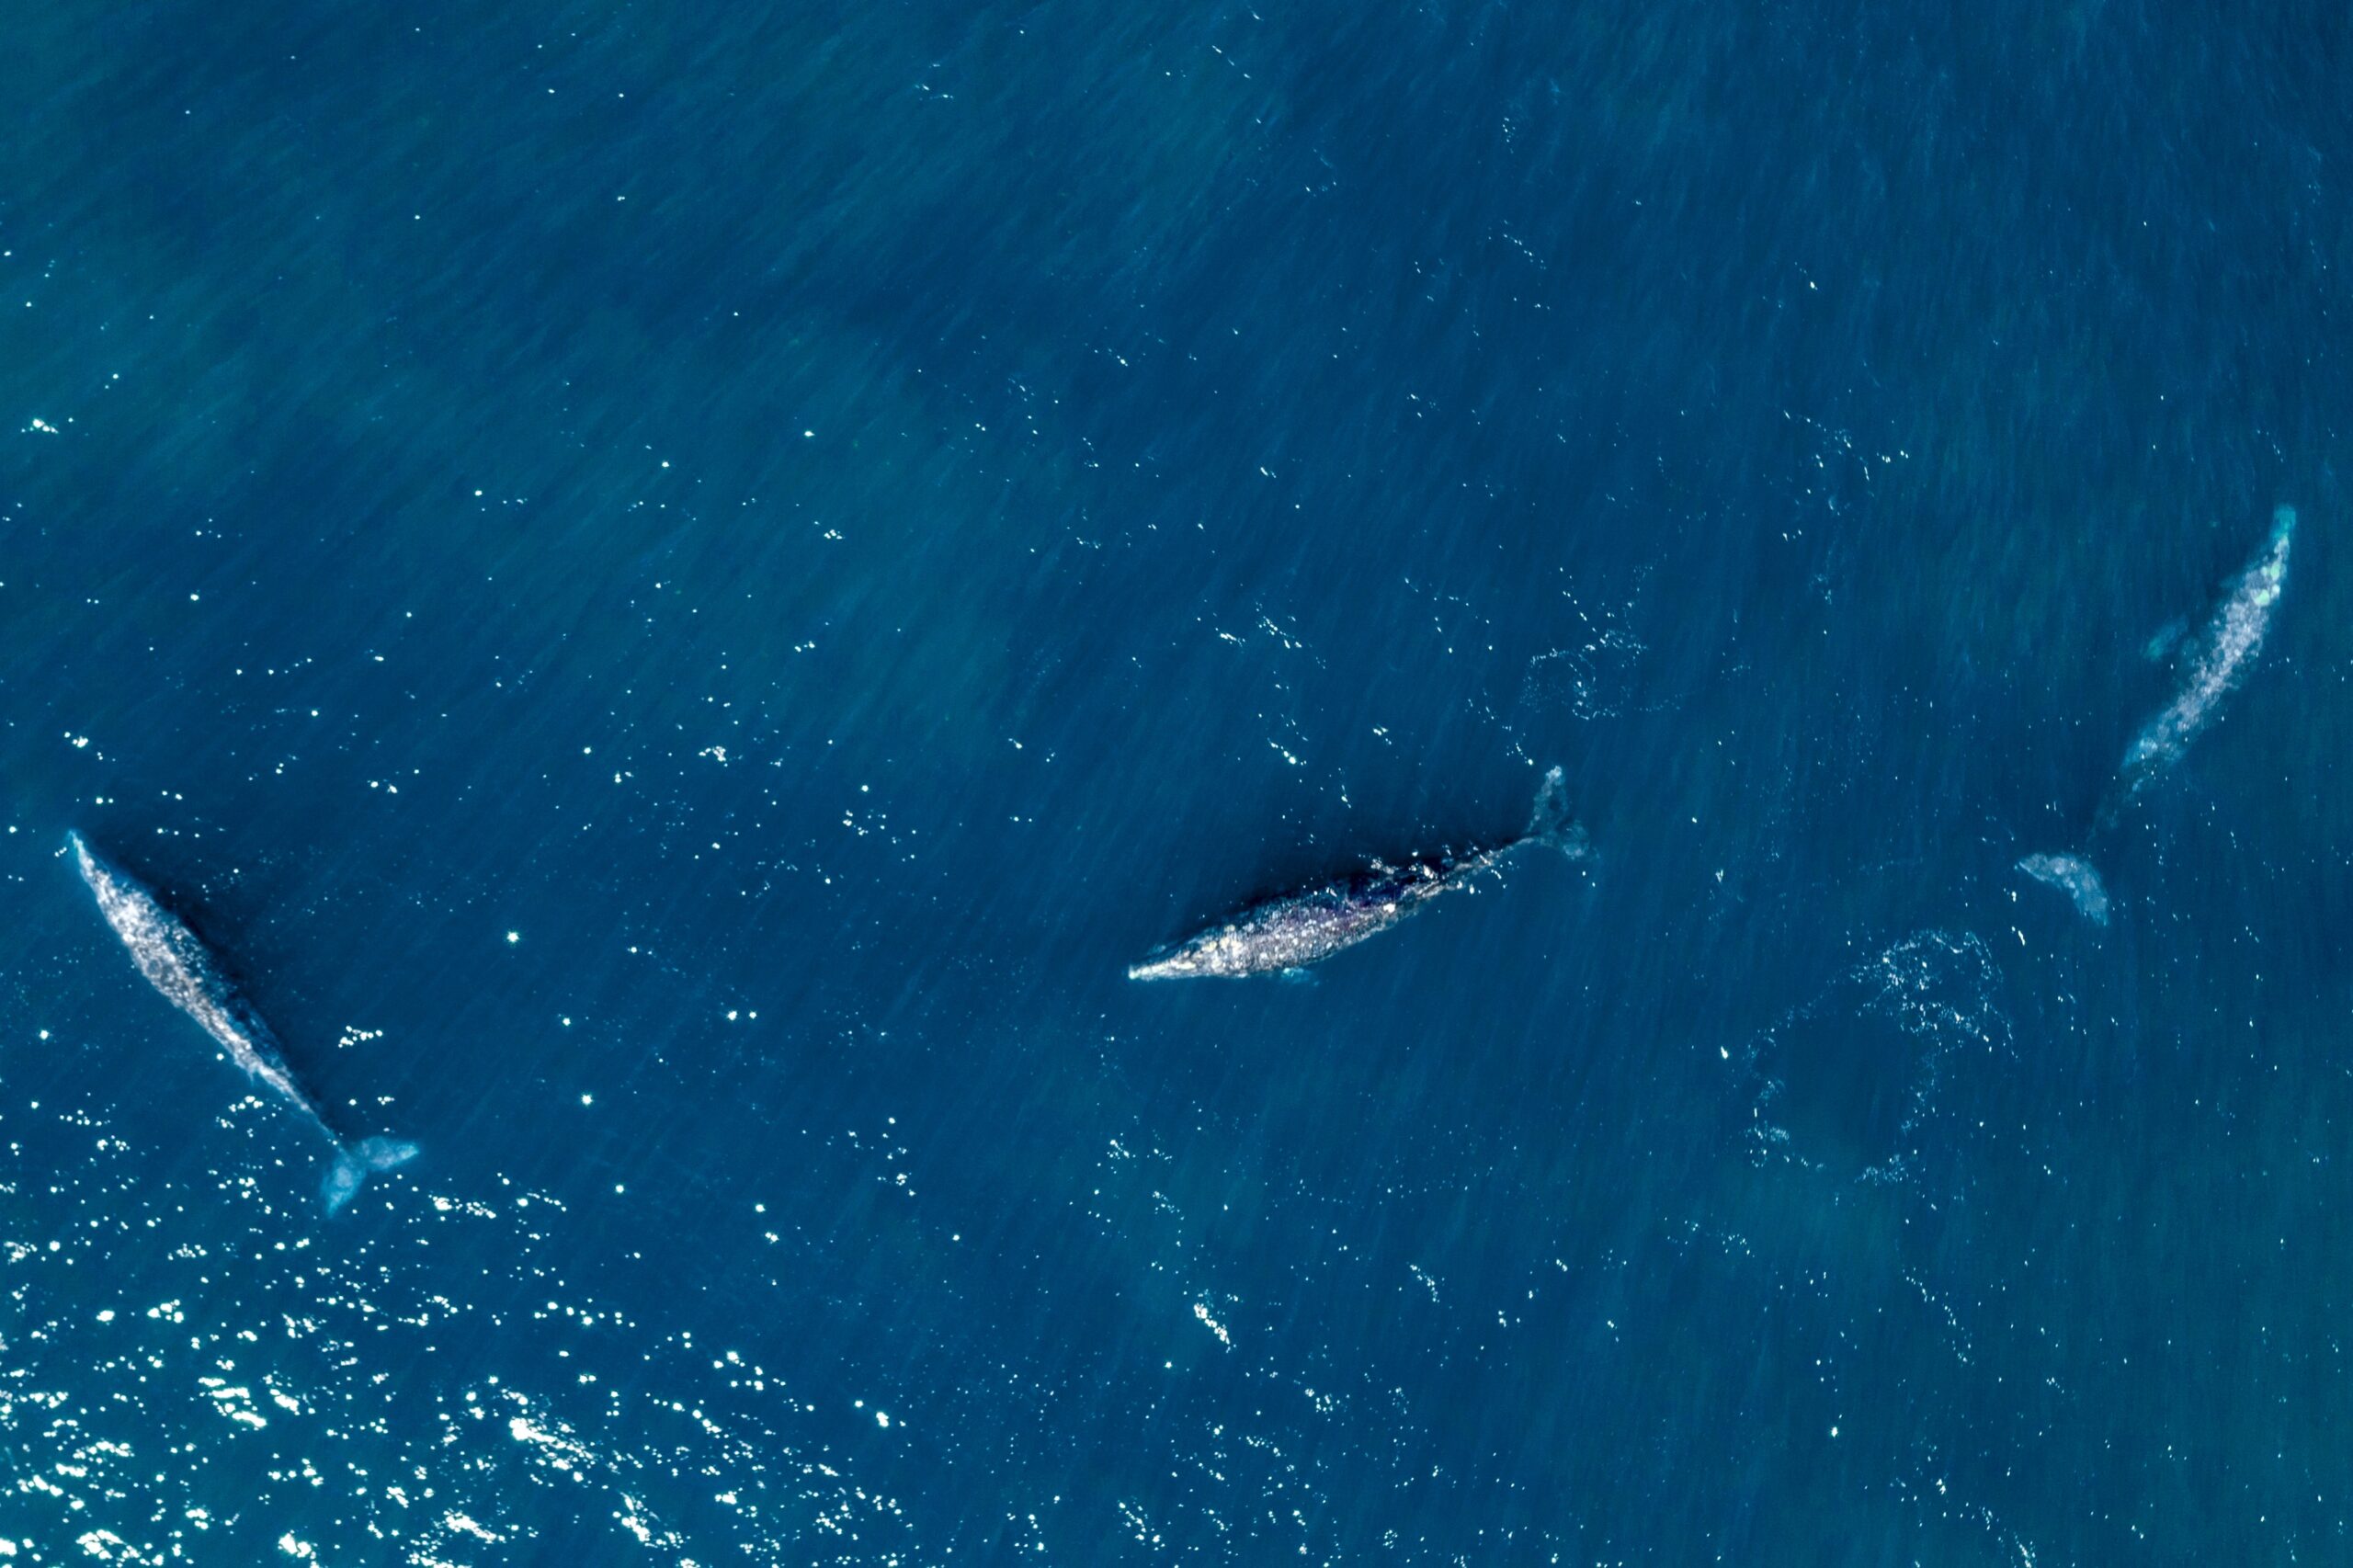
column 93, row 872
column 1184, row 964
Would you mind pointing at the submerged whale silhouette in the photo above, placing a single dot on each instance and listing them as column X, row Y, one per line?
column 2211, row 668
column 177, row 964
column 2214, row 666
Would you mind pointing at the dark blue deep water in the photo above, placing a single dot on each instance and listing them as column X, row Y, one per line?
column 679, row 589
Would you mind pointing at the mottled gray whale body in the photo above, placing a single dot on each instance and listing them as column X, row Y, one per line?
column 1300, row 928
column 177, row 964
column 2076, row 877
column 2212, row 666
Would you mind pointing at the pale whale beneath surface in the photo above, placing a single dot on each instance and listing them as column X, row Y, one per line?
column 179, row 965
column 1286, row 933
column 2076, row 877
column 2211, row 667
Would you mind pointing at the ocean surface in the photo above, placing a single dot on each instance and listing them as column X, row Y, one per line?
column 679, row 590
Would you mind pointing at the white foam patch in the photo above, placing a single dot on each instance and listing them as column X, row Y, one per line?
column 1201, row 1311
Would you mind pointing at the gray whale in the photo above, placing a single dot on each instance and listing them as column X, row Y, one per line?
column 1289, row 933
column 2211, row 667
column 179, row 965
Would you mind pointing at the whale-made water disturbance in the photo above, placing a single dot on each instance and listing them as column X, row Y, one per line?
column 177, row 963
column 2212, row 666
column 1286, row 934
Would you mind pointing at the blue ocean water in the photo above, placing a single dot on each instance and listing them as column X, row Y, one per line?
column 680, row 591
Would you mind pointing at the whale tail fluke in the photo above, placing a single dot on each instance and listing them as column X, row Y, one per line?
column 355, row 1163
column 2076, row 877
column 1550, row 824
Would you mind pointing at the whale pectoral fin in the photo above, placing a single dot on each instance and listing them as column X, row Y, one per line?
column 1296, row 976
